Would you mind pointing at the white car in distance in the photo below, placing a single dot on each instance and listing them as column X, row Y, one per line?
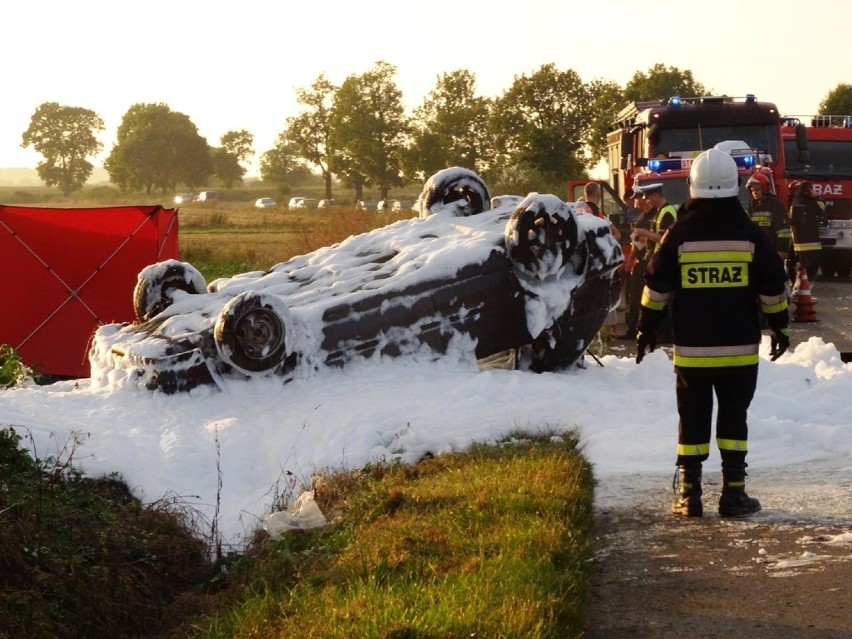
column 265, row 203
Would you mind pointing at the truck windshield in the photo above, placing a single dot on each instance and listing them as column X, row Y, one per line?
column 762, row 138
column 827, row 159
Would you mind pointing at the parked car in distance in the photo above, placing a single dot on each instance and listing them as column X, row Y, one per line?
column 385, row 205
column 265, row 203
column 367, row 205
column 184, row 198
column 400, row 206
column 207, row 196
column 306, row 203
column 326, row 204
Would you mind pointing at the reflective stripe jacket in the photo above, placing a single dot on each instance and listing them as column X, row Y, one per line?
column 805, row 216
column 718, row 271
column 663, row 219
column 770, row 216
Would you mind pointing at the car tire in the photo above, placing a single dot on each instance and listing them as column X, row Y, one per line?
column 253, row 332
column 461, row 188
column 541, row 236
column 155, row 284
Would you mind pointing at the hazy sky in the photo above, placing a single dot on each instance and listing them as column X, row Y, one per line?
column 236, row 65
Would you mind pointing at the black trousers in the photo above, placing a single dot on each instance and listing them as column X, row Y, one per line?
column 734, row 390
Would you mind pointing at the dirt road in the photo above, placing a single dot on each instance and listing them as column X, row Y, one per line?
column 783, row 573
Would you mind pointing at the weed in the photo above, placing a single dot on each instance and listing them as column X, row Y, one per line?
column 12, row 370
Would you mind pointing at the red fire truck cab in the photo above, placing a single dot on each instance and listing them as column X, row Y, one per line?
column 828, row 166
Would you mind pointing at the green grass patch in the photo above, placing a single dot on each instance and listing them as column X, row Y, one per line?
column 493, row 542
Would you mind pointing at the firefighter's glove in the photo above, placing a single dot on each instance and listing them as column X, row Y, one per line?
column 646, row 342
column 780, row 343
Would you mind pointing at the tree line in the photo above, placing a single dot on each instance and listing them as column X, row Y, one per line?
column 547, row 127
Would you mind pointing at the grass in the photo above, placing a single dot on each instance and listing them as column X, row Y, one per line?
column 81, row 557
column 492, row 542
column 224, row 239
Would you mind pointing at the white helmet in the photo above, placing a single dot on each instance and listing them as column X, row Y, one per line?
column 713, row 175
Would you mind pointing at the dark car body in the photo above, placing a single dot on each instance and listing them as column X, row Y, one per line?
column 461, row 280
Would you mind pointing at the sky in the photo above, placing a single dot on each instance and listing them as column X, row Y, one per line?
column 232, row 66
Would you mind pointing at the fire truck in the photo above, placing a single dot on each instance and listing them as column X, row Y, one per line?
column 656, row 141
column 681, row 128
column 828, row 165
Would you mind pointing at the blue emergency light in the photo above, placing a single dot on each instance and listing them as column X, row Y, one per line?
column 675, row 101
column 669, row 164
column 658, row 165
column 745, row 161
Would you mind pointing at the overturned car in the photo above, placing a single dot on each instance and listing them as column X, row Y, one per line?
column 473, row 274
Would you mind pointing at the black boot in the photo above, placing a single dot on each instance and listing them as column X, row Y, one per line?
column 734, row 501
column 687, row 487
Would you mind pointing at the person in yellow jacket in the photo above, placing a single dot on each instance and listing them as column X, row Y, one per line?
column 718, row 272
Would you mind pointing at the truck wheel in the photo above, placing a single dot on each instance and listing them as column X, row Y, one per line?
column 156, row 283
column 253, row 332
column 541, row 236
column 460, row 190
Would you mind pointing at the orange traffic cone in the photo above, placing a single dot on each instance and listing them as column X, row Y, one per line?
column 805, row 311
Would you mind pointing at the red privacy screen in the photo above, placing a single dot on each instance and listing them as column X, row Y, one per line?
column 64, row 272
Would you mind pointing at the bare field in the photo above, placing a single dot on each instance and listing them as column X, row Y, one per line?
column 256, row 239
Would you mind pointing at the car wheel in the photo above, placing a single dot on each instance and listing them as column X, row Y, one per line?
column 541, row 236
column 156, row 283
column 455, row 189
column 253, row 332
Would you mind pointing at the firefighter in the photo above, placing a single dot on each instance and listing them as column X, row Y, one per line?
column 718, row 271
column 767, row 211
column 663, row 216
column 635, row 266
column 805, row 219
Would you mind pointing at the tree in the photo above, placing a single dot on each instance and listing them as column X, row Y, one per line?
column 157, row 148
column 236, row 147
column 65, row 136
column 608, row 101
column 238, row 143
column 226, row 166
column 449, row 128
column 541, row 124
column 280, row 165
column 368, row 128
column 662, row 82
column 310, row 131
column 838, row 101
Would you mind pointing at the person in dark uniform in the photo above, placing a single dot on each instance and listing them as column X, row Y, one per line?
column 663, row 216
column 634, row 267
column 718, row 272
column 767, row 211
column 805, row 217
